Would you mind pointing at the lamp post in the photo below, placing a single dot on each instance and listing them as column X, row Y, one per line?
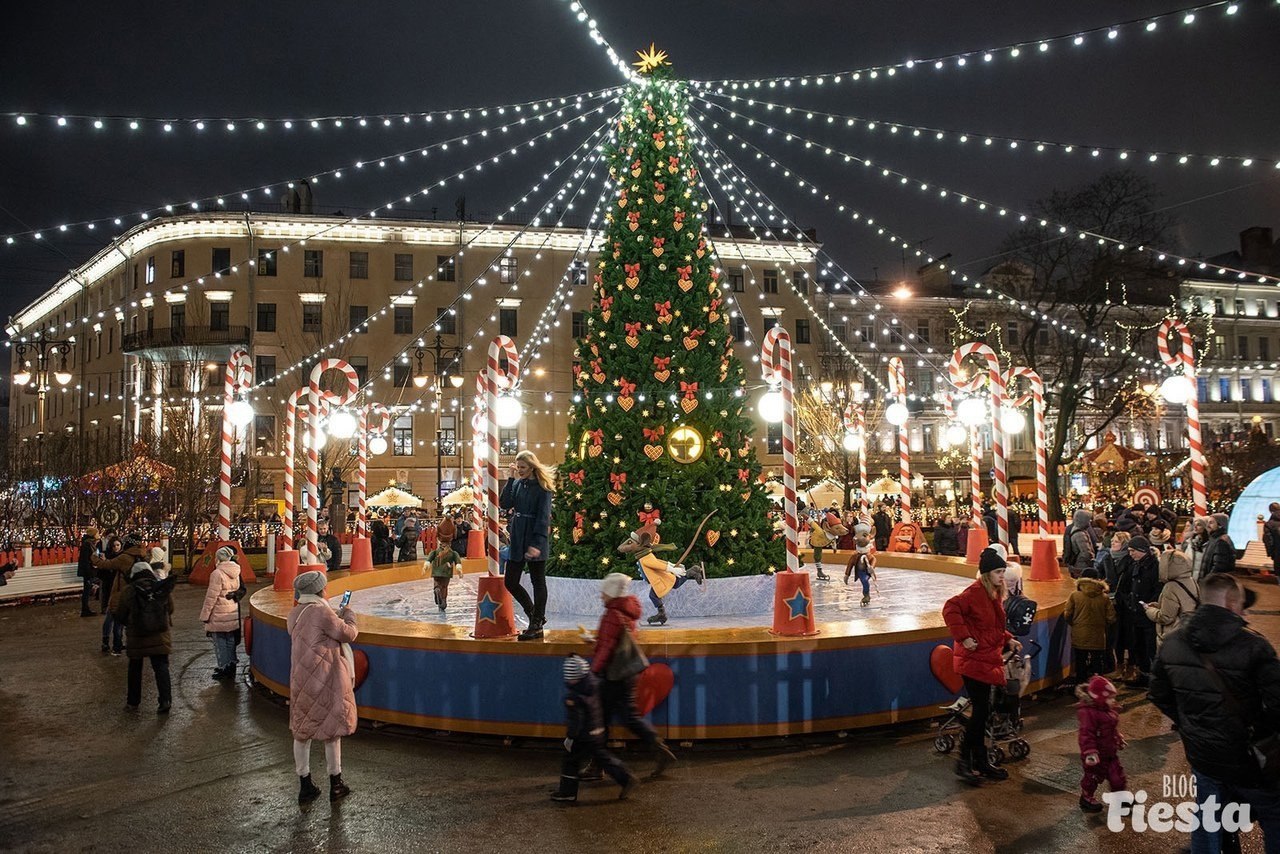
column 34, row 371
column 446, row 364
column 1173, row 342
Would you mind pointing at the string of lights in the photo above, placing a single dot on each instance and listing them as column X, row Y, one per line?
column 593, row 32
column 1018, row 144
column 957, row 60
column 270, row 190
column 104, row 121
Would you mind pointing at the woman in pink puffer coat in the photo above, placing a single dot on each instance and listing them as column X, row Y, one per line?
column 322, row 699
column 221, row 612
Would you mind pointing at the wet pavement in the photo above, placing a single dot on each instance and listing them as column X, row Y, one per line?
column 78, row 773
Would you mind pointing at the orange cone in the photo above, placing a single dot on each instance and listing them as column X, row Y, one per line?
column 203, row 566
column 1044, row 560
column 495, row 614
column 361, row 554
column 475, row 543
column 286, row 569
column 976, row 542
column 792, row 605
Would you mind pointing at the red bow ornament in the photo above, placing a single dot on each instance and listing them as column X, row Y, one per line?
column 626, row 388
column 690, row 390
column 618, row 480
column 650, row 517
column 654, row 435
column 633, row 275
column 605, row 304
column 659, row 192
column 577, row 476
column 664, row 311
column 657, row 245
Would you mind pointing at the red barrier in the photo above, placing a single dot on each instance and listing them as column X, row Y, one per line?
column 495, row 613
column 975, row 542
column 1044, row 560
column 286, row 570
column 792, row 605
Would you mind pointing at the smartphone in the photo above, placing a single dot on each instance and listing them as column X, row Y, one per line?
column 346, row 600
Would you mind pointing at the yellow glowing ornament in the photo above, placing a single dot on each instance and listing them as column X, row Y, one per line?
column 685, row 445
column 651, row 60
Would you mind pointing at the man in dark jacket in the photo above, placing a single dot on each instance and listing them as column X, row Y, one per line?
column 1144, row 587
column 945, row 538
column 1220, row 552
column 1220, row 711
column 381, row 545
column 1271, row 536
column 86, row 570
column 331, row 542
column 145, row 609
column 883, row 525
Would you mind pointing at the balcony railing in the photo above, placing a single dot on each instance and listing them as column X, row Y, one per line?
column 184, row 336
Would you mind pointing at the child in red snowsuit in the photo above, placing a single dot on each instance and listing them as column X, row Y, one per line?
column 1100, row 740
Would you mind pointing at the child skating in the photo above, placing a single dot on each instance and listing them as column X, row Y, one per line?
column 444, row 564
column 584, row 734
column 862, row 563
column 1100, row 740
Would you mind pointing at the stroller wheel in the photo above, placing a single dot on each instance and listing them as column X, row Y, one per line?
column 1019, row 749
column 995, row 755
column 944, row 743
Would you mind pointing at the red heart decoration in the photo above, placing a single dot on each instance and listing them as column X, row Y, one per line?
column 653, row 686
column 943, row 670
column 247, row 633
column 362, row 667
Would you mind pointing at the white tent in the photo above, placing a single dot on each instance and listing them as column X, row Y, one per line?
column 463, row 496
column 394, row 497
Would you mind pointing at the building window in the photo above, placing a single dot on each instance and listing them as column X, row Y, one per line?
column 1012, row 332
column 867, row 331
column 402, row 436
column 178, row 315
column 578, row 324
column 1262, row 307
column 1242, row 346
column 802, row 331
column 313, row 263
column 175, row 374
column 800, row 281
column 177, row 263
column 401, row 376
column 1219, row 306
column 151, row 269
column 356, row 317
column 312, row 317
column 737, row 283
column 507, row 322
column 360, row 364
column 447, row 436
column 922, row 332
column 1224, row 389
column 358, row 267
column 770, row 281
column 1264, row 349
column 1239, row 308
column 266, row 262
column 1202, row 389
column 266, row 317
column 1220, row 346
column 264, row 370
column 739, row 325
column 404, row 320
column 508, row 270
column 404, row 267
column 895, row 332
column 219, row 316
column 446, row 268
column 1266, row 391
column 773, row 440
column 221, row 262
column 1042, row 336
column 1246, row 389
column 508, row 441
column 578, row 270
column 446, row 323
column 264, row 434
column 839, row 332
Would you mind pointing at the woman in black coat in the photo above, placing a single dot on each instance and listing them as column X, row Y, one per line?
column 86, row 570
column 946, row 539
column 528, row 495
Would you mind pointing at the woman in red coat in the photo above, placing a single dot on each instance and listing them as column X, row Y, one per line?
column 976, row 620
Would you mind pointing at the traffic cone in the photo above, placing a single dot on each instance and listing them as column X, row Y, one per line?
column 792, row 605
column 286, row 569
column 495, row 613
column 203, row 567
column 976, row 542
column 475, row 543
column 361, row 554
column 1044, row 560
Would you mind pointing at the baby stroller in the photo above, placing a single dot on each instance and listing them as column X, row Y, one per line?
column 1004, row 729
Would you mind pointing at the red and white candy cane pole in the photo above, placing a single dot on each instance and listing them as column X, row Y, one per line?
column 290, row 451
column 1035, row 396
column 1184, row 357
column 856, row 416
column 995, row 382
column 238, row 378
column 477, row 450
column 315, row 400
column 898, row 388
column 975, row 460
column 495, row 377
column 776, row 363
column 362, row 464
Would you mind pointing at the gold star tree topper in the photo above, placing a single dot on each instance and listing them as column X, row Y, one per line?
column 650, row 60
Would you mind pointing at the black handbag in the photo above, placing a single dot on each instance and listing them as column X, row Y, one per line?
column 627, row 661
column 1265, row 751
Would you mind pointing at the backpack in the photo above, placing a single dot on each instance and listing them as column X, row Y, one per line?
column 1019, row 614
column 151, row 615
column 1069, row 552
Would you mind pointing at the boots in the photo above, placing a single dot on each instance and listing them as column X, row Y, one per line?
column 665, row 758
column 658, row 619
column 534, row 632
column 822, row 576
column 308, row 791
column 337, row 789
column 1089, row 804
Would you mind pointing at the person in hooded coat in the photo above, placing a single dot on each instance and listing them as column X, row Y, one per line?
column 1090, row 613
column 380, row 542
column 1178, row 596
column 1219, row 552
column 1080, row 546
column 322, row 699
column 141, row 595
column 1144, row 588
column 945, row 540
column 220, row 612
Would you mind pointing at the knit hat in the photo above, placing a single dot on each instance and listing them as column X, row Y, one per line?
column 1100, row 687
column 138, row 568
column 310, row 582
column 1089, row 572
column 225, row 554
column 862, row 528
column 1126, row 524
column 157, row 556
column 1159, row 536
column 133, row 540
column 1140, row 544
column 990, row 561
column 575, row 667
column 999, row 549
column 615, row 584
column 1222, row 519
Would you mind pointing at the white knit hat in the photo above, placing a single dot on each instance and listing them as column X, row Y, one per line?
column 310, row 582
column 615, row 584
column 575, row 667
column 225, row 554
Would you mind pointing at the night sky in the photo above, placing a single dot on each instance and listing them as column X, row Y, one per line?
column 1210, row 88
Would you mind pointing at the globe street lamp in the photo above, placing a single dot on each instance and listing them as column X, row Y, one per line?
column 35, row 372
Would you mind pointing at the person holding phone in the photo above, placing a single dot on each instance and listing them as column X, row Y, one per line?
column 528, row 496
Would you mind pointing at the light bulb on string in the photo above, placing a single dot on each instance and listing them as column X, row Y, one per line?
column 771, row 406
column 378, row 445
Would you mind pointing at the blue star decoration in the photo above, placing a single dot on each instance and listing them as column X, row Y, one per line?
column 488, row 607
column 799, row 605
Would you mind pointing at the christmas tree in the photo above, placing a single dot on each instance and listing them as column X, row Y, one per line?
column 657, row 431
